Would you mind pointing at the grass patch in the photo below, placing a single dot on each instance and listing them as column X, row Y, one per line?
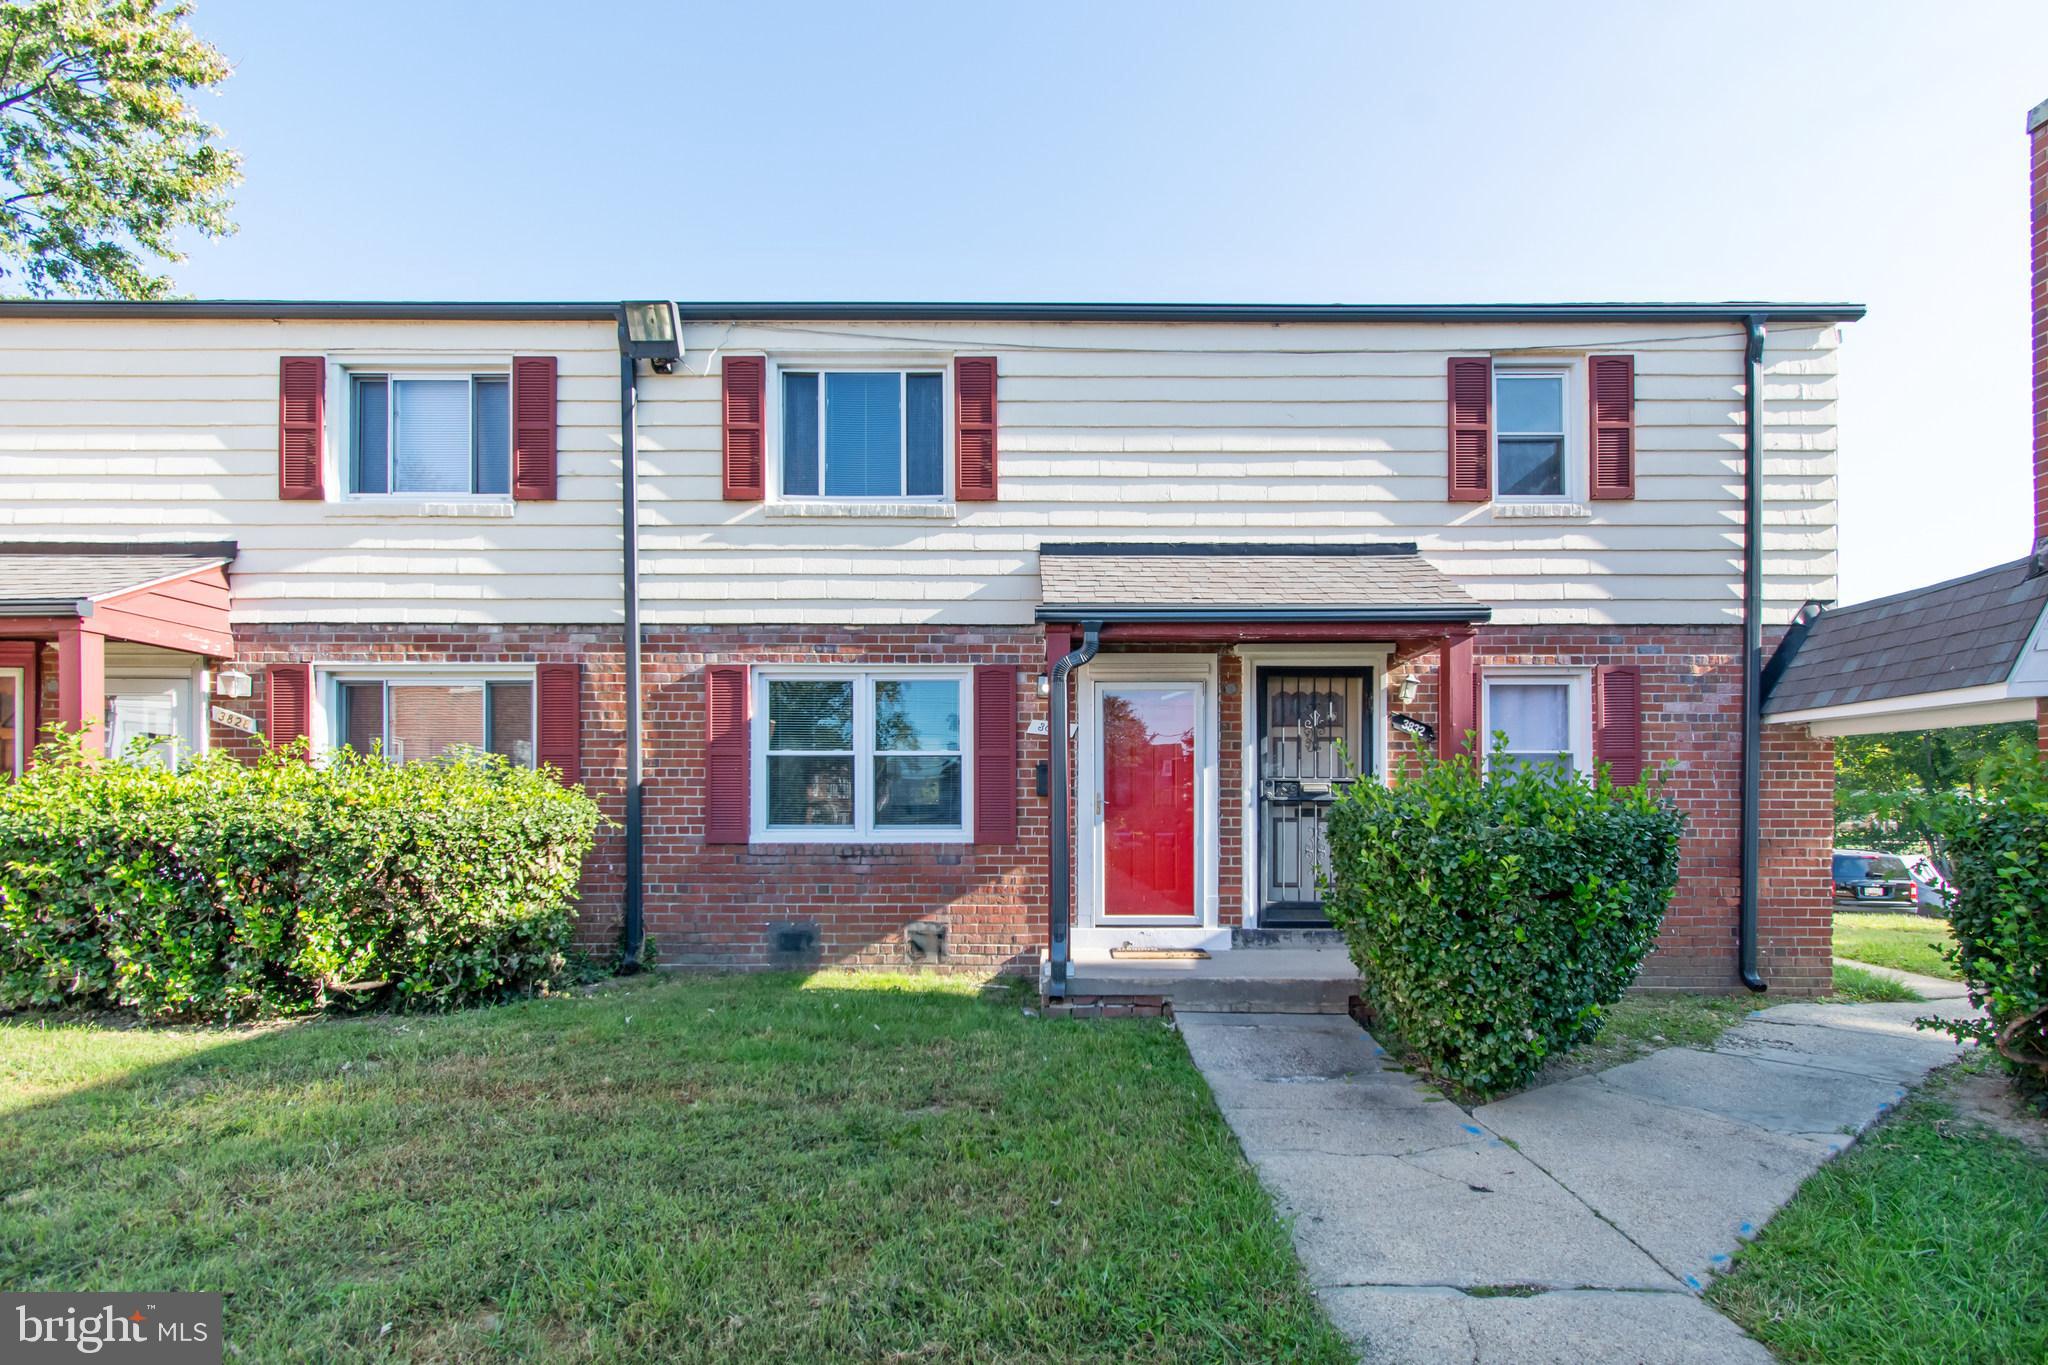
column 715, row 1169
column 1927, row 1241
column 1642, row 1023
column 1856, row 986
column 1907, row 943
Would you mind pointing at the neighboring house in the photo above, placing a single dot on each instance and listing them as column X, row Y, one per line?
column 1970, row 651
column 869, row 537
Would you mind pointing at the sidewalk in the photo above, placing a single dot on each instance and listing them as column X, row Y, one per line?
column 1573, row 1223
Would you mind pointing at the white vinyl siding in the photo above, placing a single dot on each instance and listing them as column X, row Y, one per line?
column 168, row 430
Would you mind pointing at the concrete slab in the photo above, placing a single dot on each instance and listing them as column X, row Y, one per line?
column 1575, row 1327
column 1474, row 1215
column 1687, row 1187
column 1313, row 980
column 1771, row 1095
column 1878, row 1052
column 1638, row 1182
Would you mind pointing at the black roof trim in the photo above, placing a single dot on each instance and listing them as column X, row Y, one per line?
column 223, row 549
column 422, row 311
column 1223, row 547
column 1112, row 615
column 293, row 309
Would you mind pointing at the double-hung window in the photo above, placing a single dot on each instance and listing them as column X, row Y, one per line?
column 863, row 434
column 1530, row 435
column 860, row 755
column 426, row 716
column 1545, row 716
column 430, row 433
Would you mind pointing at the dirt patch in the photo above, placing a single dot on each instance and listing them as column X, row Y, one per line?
column 1980, row 1092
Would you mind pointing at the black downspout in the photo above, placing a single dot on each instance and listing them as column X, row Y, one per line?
column 1752, row 642
column 629, row 525
column 1062, row 909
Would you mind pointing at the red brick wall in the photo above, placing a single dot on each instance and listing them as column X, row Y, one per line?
column 1692, row 729
column 597, row 648
column 2038, row 211
column 713, row 904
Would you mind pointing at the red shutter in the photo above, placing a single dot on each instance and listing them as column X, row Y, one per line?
column 301, row 410
column 1611, row 388
column 1471, row 428
column 746, row 436
column 1456, row 694
column 974, row 428
column 558, row 716
column 287, row 703
column 533, row 428
column 995, row 754
column 1618, row 722
column 727, row 761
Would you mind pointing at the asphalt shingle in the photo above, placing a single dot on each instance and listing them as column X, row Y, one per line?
column 1967, row 632
column 1250, row 578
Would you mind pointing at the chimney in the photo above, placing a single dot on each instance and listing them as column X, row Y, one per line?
column 2037, row 136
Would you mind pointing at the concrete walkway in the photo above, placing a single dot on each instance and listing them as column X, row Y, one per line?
column 1576, row 1222
column 1929, row 987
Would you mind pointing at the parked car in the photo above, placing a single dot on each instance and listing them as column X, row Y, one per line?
column 1873, row 880
column 1932, row 890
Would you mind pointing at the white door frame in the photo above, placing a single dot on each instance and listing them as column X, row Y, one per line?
column 1165, row 670
column 13, row 763
column 144, row 668
column 1253, row 658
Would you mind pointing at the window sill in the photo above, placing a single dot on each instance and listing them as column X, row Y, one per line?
column 363, row 509
column 862, row 511
column 849, row 843
column 1541, row 511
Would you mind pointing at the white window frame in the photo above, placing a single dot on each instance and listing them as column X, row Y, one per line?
column 22, row 703
column 341, row 401
column 1578, row 703
column 863, row 830
column 860, row 363
column 328, row 678
column 1572, row 441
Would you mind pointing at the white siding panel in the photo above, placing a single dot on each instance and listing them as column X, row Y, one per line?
column 1150, row 432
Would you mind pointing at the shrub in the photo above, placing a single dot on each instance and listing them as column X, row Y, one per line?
column 2000, row 916
column 228, row 888
column 1494, row 917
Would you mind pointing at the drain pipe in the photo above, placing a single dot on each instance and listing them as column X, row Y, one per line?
column 1058, row 939
column 634, row 937
column 1752, row 643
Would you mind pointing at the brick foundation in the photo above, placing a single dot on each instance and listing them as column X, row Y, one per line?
column 799, row 905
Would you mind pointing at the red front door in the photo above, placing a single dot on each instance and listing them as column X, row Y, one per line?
column 1148, row 801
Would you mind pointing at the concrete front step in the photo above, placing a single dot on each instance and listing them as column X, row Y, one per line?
column 1267, row 980
column 1285, row 938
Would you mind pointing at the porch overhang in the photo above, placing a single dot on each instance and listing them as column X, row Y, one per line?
column 81, row 594
column 173, row 595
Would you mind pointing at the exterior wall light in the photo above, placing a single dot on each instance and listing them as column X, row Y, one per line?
column 1045, row 684
column 1409, row 686
column 650, row 331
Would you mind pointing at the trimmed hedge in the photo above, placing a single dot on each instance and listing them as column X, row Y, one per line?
column 1999, row 915
column 1494, row 917
column 228, row 888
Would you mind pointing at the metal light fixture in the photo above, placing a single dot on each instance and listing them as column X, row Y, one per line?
column 1045, row 684
column 649, row 330
column 1409, row 686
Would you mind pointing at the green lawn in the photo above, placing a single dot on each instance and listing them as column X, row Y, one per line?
column 710, row 1169
column 1855, row 986
column 1910, row 943
column 1640, row 1024
column 1927, row 1241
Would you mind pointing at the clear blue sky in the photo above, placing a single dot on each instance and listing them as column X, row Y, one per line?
column 1271, row 151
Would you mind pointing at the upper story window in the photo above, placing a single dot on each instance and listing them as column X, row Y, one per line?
column 430, row 433
column 1529, row 441
column 863, row 434
column 421, row 717
column 860, row 755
